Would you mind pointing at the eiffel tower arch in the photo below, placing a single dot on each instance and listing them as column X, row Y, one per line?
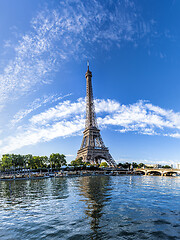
column 92, row 148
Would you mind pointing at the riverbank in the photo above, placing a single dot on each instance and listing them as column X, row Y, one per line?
column 10, row 177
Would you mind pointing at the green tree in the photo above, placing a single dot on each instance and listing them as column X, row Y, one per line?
column 140, row 165
column 126, row 165
column 44, row 161
column 77, row 162
column 17, row 160
column 57, row 160
column 28, row 160
column 21, row 161
column 88, row 163
column 31, row 161
column 103, row 164
column 6, row 162
column 35, row 162
column 120, row 164
column 135, row 165
column 166, row 166
column 38, row 162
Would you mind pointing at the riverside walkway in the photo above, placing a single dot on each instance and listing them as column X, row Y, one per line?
column 107, row 172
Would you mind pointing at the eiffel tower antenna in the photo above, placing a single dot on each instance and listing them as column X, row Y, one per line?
column 92, row 148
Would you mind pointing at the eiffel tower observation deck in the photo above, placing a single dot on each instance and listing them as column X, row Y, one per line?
column 92, row 148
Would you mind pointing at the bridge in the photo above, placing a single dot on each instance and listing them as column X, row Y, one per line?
column 157, row 171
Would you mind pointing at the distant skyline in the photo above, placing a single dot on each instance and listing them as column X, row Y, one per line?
column 134, row 54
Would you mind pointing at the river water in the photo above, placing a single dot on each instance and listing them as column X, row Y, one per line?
column 96, row 207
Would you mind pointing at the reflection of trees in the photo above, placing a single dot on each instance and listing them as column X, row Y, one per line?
column 95, row 190
column 58, row 188
column 25, row 191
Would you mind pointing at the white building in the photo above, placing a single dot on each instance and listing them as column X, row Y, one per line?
column 154, row 165
column 178, row 165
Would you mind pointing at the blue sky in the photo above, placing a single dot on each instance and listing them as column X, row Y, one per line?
column 134, row 53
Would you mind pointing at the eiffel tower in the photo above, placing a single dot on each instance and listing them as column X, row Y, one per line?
column 92, row 148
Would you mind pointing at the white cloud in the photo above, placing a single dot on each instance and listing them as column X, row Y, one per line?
column 37, row 103
column 33, row 135
column 68, row 118
column 139, row 117
column 61, row 111
column 67, row 109
column 174, row 135
column 106, row 105
column 31, row 64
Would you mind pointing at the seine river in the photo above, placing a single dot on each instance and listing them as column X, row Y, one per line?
column 97, row 207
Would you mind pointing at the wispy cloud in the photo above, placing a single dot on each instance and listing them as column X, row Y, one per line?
column 142, row 117
column 68, row 31
column 37, row 103
column 68, row 118
column 33, row 135
column 31, row 64
column 63, row 110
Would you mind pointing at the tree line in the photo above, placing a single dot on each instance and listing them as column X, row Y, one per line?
column 54, row 161
column 137, row 165
column 18, row 161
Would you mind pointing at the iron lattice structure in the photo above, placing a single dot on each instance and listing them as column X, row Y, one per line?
column 92, row 148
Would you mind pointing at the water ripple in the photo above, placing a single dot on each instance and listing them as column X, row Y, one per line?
column 98, row 207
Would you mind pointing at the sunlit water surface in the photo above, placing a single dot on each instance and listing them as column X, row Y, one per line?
column 98, row 207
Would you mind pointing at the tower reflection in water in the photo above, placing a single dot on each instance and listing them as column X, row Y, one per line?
column 97, row 193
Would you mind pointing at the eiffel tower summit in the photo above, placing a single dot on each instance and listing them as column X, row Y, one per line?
column 92, row 148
